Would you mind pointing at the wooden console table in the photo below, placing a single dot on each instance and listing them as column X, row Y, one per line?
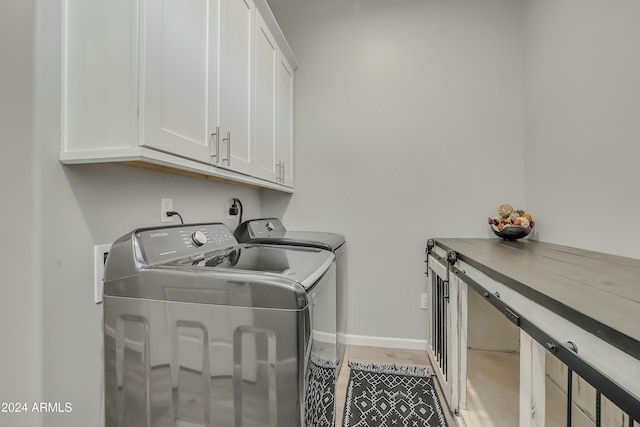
column 571, row 328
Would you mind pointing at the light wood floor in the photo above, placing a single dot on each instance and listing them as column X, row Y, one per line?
column 400, row 357
column 492, row 388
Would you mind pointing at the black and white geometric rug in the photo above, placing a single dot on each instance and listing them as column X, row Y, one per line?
column 391, row 396
column 320, row 396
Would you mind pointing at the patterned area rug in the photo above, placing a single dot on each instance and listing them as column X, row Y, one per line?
column 320, row 408
column 391, row 396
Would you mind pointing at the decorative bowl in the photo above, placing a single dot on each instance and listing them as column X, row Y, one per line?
column 511, row 232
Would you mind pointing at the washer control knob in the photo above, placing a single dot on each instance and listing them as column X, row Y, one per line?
column 199, row 238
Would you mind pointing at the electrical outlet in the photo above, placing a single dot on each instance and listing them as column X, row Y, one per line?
column 100, row 253
column 166, row 205
column 423, row 301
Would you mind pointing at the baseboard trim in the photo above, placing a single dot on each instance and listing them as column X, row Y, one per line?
column 387, row 342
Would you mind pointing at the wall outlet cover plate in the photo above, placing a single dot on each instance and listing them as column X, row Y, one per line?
column 423, row 301
column 100, row 253
column 166, row 205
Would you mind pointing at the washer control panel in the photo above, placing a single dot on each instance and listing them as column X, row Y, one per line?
column 166, row 243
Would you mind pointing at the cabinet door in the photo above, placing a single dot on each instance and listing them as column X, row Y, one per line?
column 266, row 63
column 236, row 31
column 179, row 76
column 285, row 121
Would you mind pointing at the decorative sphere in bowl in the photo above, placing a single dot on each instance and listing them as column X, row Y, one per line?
column 511, row 232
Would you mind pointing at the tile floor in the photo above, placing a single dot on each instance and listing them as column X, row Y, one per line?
column 400, row 357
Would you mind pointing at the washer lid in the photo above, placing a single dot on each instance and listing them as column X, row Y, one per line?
column 204, row 264
column 299, row 264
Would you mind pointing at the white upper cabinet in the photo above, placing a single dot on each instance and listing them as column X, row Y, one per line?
column 236, row 42
column 265, row 81
column 179, row 68
column 273, row 109
column 185, row 85
column 285, row 122
column 99, row 80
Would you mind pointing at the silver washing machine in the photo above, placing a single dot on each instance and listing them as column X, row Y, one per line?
column 202, row 331
column 272, row 231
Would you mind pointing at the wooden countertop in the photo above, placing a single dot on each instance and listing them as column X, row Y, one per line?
column 598, row 292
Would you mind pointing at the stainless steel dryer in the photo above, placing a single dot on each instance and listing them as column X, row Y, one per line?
column 272, row 231
column 202, row 331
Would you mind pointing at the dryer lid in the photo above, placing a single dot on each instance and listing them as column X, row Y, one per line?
column 272, row 231
column 311, row 239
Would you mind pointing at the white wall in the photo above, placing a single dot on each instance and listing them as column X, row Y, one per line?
column 55, row 214
column 20, row 355
column 582, row 126
column 408, row 126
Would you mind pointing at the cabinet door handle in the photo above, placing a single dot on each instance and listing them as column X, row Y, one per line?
column 217, row 135
column 228, row 139
column 282, row 169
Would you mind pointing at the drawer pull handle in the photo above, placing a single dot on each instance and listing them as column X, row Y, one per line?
column 228, row 139
column 217, row 135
